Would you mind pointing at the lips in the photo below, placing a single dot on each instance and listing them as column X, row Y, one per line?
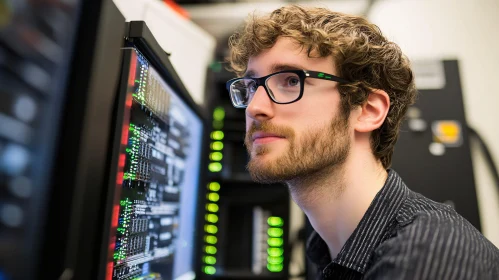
column 258, row 135
column 263, row 137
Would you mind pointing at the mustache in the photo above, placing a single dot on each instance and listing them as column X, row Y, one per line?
column 268, row 127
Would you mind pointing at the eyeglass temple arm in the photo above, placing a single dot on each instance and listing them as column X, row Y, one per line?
column 325, row 76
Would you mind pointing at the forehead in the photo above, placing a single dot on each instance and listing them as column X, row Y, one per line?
column 287, row 54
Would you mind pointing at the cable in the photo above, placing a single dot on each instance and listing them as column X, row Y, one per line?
column 488, row 155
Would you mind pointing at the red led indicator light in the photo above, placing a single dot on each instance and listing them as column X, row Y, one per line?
column 119, row 178
column 112, row 243
column 129, row 99
column 109, row 271
column 124, row 135
column 121, row 162
column 116, row 213
column 133, row 70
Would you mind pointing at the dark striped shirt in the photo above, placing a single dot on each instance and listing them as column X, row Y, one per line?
column 404, row 235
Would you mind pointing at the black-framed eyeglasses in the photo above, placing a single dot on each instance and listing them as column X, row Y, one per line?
column 283, row 87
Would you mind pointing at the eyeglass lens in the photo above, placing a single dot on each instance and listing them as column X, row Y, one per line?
column 283, row 88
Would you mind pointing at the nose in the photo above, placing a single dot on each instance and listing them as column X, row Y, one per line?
column 260, row 107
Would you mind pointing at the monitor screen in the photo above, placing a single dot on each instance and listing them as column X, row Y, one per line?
column 153, row 221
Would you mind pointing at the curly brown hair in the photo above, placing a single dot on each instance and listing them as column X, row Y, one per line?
column 361, row 54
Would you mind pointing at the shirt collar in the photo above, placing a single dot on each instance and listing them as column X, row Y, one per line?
column 368, row 234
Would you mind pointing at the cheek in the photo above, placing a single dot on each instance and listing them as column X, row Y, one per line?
column 248, row 123
column 316, row 118
column 313, row 124
column 319, row 108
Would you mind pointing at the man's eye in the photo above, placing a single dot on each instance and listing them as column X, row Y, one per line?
column 292, row 81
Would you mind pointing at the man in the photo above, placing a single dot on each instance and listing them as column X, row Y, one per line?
column 325, row 94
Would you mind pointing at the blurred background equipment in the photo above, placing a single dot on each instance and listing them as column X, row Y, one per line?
column 433, row 151
column 58, row 70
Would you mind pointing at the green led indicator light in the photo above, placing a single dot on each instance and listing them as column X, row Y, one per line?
column 275, row 242
column 213, row 197
column 218, row 124
column 210, row 239
column 211, row 229
column 216, row 66
column 212, row 218
column 210, row 260
column 215, row 167
column 217, row 135
column 214, row 186
column 212, row 207
column 209, row 270
column 274, row 267
column 275, row 260
column 216, row 156
column 275, row 221
column 210, row 249
column 219, row 113
column 275, row 252
column 275, row 232
column 217, row 146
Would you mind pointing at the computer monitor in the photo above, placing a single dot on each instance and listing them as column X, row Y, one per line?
column 156, row 188
column 59, row 68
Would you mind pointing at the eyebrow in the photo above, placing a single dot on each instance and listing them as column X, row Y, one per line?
column 276, row 67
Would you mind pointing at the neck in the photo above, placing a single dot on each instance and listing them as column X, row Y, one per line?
column 335, row 199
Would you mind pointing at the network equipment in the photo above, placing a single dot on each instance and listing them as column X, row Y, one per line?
column 153, row 221
column 433, row 152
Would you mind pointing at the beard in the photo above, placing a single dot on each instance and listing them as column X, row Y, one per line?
column 314, row 151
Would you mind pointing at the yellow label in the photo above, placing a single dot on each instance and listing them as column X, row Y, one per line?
column 448, row 133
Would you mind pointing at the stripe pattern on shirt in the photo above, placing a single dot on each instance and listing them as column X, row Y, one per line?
column 404, row 235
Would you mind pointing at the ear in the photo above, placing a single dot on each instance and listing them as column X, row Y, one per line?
column 373, row 112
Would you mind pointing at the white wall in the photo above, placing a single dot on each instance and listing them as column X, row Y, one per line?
column 191, row 48
column 467, row 30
